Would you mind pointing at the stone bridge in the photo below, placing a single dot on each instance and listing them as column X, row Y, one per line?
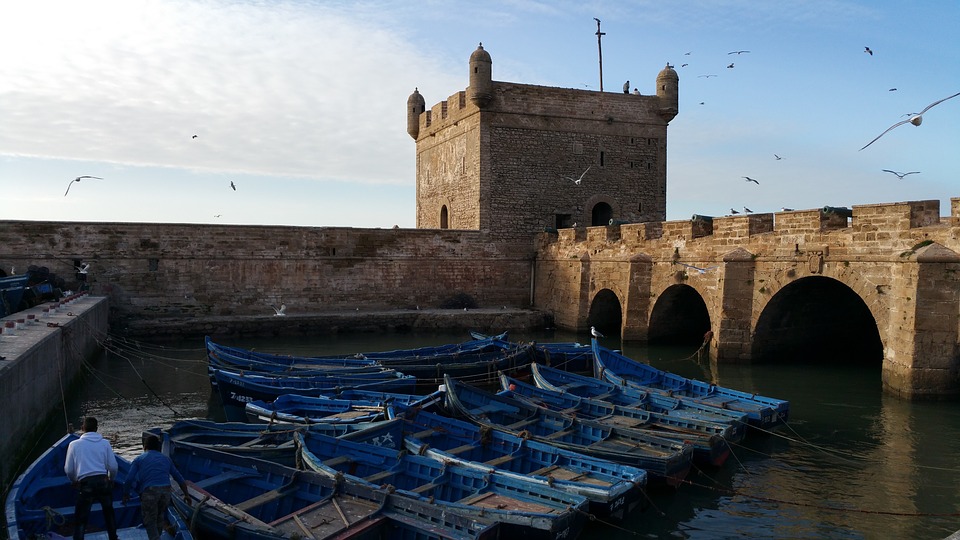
column 868, row 284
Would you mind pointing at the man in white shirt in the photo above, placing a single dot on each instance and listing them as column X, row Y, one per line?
column 92, row 467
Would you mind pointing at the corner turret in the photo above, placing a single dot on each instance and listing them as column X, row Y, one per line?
column 481, row 77
column 668, row 90
column 415, row 106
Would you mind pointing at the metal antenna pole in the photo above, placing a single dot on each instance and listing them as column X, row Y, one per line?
column 600, row 51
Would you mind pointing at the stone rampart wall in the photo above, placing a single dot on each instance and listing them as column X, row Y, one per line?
column 173, row 270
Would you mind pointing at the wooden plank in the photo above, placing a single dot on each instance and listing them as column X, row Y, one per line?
column 377, row 477
column 461, row 449
column 339, row 460
column 424, row 488
column 206, row 498
column 496, row 462
column 263, row 498
column 222, row 477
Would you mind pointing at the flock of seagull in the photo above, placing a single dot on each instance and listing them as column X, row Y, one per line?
column 914, row 118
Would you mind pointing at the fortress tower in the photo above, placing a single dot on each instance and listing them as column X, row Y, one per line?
column 495, row 157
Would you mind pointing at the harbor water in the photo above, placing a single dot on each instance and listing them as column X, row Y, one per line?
column 851, row 463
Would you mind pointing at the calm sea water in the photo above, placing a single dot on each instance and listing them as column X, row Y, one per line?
column 852, row 463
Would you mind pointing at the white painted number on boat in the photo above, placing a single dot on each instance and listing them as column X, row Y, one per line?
column 242, row 399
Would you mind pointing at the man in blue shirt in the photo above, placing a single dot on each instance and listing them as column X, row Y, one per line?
column 150, row 476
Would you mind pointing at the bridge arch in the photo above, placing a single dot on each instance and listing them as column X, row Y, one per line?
column 606, row 313
column 679, row 317
column 817, row 319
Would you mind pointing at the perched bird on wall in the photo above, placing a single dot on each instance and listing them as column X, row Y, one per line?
column 900, row 175
column 626, row 87
column 234, row 186
column 279, row 311
column 751, row 180
column 596, row 333
column 732, row 211
column 698, row 269
column 915, row 119
column 77, row 179
column 868, row 51
column 785, row 209
column 747, row 210
column 577, row 180
column 636, row 92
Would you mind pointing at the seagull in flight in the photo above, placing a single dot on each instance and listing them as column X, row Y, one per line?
column 697, row 268
column 737, row 52
column 900, row 175
column 916, row 119
column 868, row 51
column 194, row 137
column 778, row 157
column 83, row 268
column 233, row 185
column 77, row 179
column 596, row 333
column 279, row 311
column 706, row 76
column 577, row 180
column 751, row 180
column 730, row 66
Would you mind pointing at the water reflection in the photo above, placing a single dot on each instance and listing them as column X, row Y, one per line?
column 851, row 463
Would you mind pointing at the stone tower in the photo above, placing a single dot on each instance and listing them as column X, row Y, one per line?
column 504, row 157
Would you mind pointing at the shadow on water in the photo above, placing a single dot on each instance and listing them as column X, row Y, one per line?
column 851, row 462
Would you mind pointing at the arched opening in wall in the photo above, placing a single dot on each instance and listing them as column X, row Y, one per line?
column 679, row 317
column 606, row 314
column 817, row 320
column 601, row 214
column 444, row 224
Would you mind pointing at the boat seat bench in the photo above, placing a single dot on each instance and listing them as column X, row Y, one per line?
column 222, row 477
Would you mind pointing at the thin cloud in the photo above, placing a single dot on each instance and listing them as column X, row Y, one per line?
column 275, row 89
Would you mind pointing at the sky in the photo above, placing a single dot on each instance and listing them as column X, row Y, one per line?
column 302, row 104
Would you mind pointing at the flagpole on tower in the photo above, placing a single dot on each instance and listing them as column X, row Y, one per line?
column 600, row 51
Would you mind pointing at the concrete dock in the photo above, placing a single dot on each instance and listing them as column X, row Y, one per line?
column 41, row 352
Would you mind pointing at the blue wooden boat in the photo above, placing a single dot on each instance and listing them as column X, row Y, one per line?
column 477, row 359
column 241, row 498
column 303, row 410
column 709, row 440
column 568, row 356
column 273, row 443
column 613, row 489
column 761, row 411
column 236, row 389
column 41, row 502
column 590, row 387
column 521, row 508
column 11, row 293
column 666, row 461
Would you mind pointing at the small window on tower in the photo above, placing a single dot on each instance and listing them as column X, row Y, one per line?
column 601, row 158
column 640, row 207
